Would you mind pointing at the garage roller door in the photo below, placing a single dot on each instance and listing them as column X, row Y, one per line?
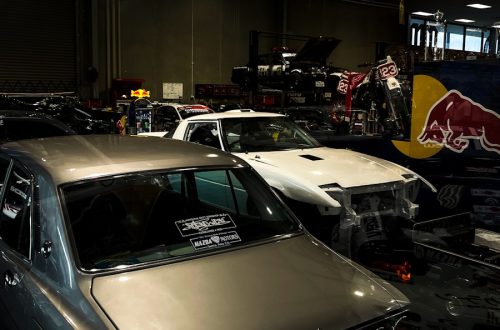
column 38, row 46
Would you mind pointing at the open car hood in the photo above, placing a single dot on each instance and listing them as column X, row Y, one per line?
column 316, row 50
column 293, row 283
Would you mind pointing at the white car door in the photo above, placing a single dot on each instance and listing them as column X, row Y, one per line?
column 206, row 133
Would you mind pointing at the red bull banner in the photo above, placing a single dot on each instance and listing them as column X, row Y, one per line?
column 120, row 125
column 454, row 120
column 455, row 110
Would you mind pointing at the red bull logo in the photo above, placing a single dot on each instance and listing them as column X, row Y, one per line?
column 454, row 120
column 139, row 93
column 120, row 125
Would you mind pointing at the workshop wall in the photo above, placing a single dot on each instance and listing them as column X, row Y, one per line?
column 197, row 41
column 190, row 41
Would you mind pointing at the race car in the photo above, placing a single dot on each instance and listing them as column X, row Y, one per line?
column 160, row 119
column 348, row 199
column 284, row 68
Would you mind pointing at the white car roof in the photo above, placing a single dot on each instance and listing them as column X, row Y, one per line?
column 222, row 115
column 185, row 105
column 158, row 134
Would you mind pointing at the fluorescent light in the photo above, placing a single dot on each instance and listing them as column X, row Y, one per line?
column 496, row 25
column 464, row 20
column 478, row 6
column 422, row 13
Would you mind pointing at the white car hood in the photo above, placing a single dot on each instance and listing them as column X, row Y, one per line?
column 320, row 166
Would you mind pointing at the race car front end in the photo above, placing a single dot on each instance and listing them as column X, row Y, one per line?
column 370, row 225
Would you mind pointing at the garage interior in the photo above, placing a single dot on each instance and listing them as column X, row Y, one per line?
column 98, row 51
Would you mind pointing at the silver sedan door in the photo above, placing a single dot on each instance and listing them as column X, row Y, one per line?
column 15, row 248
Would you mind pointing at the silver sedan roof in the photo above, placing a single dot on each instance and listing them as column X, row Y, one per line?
column 73, row 158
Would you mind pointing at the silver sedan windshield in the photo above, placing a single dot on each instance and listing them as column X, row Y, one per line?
column 139, row 218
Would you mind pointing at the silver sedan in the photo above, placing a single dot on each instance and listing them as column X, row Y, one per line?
column 119, row 232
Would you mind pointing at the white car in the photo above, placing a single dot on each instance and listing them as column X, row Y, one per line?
column 158, row 120
column 348, row 199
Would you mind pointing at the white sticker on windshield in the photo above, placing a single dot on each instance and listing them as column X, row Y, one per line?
column 205, row 224
column 215, row 240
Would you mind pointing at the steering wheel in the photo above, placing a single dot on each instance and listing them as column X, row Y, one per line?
column 233, row 143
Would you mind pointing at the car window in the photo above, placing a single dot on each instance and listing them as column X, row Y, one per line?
column 140, row 218
column 204, row 133
column 212, row 190
column 165, row 119
column 16, row 211
column 171, row 113
column 277, row 59
column 264, row 134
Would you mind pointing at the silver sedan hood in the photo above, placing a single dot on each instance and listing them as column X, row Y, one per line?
column 323, row 165
column 294, row 283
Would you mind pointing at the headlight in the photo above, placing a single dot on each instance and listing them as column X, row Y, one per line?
column 337, row 193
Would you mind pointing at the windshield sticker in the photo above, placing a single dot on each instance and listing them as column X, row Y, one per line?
column 205, row 224
column 215, row 240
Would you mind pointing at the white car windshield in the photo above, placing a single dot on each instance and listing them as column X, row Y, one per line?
column 265, row 134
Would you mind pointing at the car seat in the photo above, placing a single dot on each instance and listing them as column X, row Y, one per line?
column 101, row 230
column 168, row 207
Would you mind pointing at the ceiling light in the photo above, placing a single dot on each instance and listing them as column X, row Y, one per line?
column 478, row 6
column 496, row 25
column 464, row 20
column 422, row 13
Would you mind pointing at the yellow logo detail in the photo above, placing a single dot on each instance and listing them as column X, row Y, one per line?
column 139, row 93
column 426, row 91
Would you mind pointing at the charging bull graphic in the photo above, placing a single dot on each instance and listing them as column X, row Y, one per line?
column 455, row 119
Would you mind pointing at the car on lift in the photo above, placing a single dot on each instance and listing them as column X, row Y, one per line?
column 120, row 232
column 286, row 69
column 349, row 200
